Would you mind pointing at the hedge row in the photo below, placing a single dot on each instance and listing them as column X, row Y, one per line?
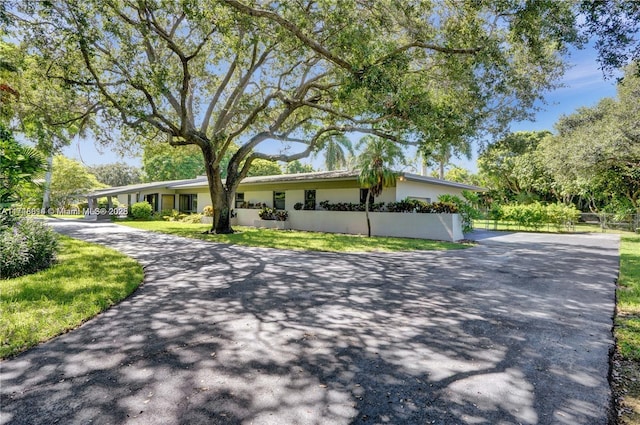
column 406, row 206
column 536, row 215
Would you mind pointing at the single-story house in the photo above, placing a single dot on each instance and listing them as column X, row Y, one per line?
column 284, row 191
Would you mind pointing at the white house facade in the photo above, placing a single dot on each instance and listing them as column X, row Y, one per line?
column 284, row 191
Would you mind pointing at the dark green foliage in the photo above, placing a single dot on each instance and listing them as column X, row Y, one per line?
column 298, row 206
column 26, row 247
column 141, row 211
column 350, row 206
column 466, row 208
column 615, row 25
column 20, row 164
column 404, row 206
column 116, row 174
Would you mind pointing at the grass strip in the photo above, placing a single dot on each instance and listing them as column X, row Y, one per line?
column 86, row 279
column 294, row 239
column 626, row 366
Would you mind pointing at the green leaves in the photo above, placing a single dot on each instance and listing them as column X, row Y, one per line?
column 20, row 166
column 375, row 162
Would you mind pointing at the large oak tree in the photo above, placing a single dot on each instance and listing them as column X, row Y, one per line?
column 234, row 74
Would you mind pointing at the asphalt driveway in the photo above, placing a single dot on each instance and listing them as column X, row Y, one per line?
column 514, row 331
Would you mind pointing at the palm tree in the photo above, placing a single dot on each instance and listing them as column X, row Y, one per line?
column 377, row 156
column 334, row 148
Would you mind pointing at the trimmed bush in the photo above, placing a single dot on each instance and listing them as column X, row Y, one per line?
column 26, row 247
column 141, row 211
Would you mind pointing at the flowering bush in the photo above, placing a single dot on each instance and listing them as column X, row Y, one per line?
column 26, row 247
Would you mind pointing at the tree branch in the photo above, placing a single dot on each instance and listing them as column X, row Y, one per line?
column 296, row 31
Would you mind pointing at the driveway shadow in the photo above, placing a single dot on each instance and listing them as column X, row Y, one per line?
column 514, row 331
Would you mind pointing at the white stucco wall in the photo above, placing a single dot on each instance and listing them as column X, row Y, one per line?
column 412, row 189
column 203, row 200
column 446, row 227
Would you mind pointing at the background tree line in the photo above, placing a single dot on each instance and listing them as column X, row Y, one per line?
column 591, row 160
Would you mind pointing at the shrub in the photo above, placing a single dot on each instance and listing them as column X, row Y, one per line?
column 141, row 210
column 298, row 206
column 170, row 215
column 282, row 215
column 26, row 247
column 207, row 211
column 267, row 213
column 349, row 206
column 536, row 215
column 192, row 218
column 404, row 206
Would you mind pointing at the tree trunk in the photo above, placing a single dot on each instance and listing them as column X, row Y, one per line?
column 221, row 195
column 46, row 197
column 366, row 210
column 222, row 205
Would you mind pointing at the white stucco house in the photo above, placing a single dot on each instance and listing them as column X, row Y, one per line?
column 286, row 190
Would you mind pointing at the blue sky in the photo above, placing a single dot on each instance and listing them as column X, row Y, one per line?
column 584, row 85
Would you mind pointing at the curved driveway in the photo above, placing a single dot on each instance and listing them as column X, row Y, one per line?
column 514, row 331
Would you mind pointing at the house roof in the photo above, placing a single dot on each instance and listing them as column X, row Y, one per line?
column 169, row 184
column 338, row 175
column 315, row 176
column 433, row 180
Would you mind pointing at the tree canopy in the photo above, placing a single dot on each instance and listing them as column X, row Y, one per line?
column 296, row 167
column 116, row 174
column 161, row 161
column 615, row 24
column 513, row 167
column 220, row 73
column 70, row 181
column 596, row 151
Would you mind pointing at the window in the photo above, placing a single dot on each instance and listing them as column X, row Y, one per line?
column 310, row 199
column 278, row 200
column 152, row 199
column 363, row 196
column 239, row 200
column 188, row 203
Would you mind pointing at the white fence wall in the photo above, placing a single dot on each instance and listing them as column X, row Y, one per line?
column 446, row 227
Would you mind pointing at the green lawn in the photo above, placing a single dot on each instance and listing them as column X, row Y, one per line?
column 86, row 280
column 293, row 239
column 627, row 330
